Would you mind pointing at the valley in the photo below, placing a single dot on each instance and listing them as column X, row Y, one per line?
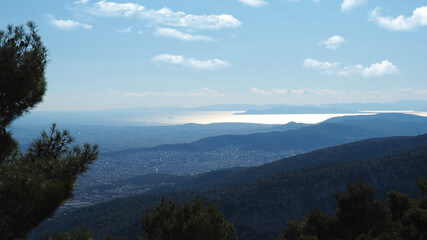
column 243, row 172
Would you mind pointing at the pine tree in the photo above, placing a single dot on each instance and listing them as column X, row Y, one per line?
column 360, row 217
column 35, row 183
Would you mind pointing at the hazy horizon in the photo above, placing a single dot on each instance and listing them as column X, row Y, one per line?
column 237, row 113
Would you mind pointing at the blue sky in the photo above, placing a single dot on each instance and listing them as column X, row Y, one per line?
column 123, row 53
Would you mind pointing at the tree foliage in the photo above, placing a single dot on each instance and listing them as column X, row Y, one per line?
column 360, row 217
column 192, row 221
column 22, row 67
column 35, row 183
column 78, row 234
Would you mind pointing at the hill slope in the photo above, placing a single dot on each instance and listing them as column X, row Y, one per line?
column 370, row 148
column 260, row 207
column 332, row 132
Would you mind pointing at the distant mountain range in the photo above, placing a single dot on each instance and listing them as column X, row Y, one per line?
column 339, row 108
column 226, row 151
column 259, row 200
column 304, row 138
column 298, row 110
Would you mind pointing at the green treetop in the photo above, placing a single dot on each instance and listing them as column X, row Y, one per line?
column 360, row 217
column 191, row 221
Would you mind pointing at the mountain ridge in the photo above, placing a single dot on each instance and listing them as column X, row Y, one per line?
column 260, row 207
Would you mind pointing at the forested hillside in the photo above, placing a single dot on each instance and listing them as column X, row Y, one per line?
column 261, row 206
column 360, row 150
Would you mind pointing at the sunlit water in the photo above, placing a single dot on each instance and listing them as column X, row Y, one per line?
column 207, row 117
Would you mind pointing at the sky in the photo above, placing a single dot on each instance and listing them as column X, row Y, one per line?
column 106, row 54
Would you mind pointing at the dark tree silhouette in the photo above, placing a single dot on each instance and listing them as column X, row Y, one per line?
column 360, row 217
column 32, row 184
column 22, row 67
column 78, row 234
column 192, row 221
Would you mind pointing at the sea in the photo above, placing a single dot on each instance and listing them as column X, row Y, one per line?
column 208, row 117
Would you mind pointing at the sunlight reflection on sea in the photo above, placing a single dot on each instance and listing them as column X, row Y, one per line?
column 207, row 117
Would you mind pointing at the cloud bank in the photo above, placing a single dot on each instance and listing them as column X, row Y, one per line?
column 401, row 23
column 292, row 91
column 375, row 70
column 340, row 95
column 204, row 92
column 211, row 64
column 164, row 16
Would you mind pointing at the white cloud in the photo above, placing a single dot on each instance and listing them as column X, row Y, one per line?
column 316, row 65
column 410, row 91
column 84, row 2
column 254, row 3
column 173, row 33
column 67, row 24
column 306, row 95
column 259, row 91
column 303, row 91
column 380, row 69
column 124, row 30
column 164, row 16
column 293, row 91
column 375, row 70
column 210, row 91
column 191, row 62
column 204, row 92
column 112, row 9
column 297, row 1
column 348, row 5
column 333, row 42
column 401, row 23
column 154, row 94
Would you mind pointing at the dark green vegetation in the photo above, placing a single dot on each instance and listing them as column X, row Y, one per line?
column 22, row 68
column 78, row 234
column 302, row 139
column 35, row 183
column 258, row 201
column 360, row 216
column 192, row 221
column 366, row 149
